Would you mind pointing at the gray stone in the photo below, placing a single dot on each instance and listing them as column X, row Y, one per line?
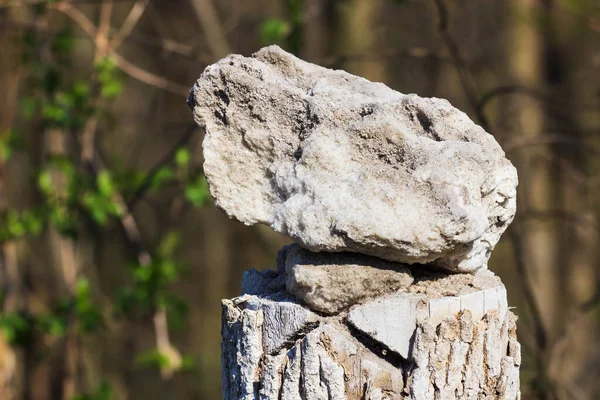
column 343, row 164
column 393, row 320
column 332, row 282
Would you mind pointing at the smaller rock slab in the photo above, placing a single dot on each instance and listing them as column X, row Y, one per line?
column 333, row 282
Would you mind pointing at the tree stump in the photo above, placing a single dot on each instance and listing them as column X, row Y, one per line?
column 443, row 337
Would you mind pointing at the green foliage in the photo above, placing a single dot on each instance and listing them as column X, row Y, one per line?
column 152, row 359
column 85, row 309
column 99, row 201
column 163, row 176
column 183, row 157
column 150, row 289
column 80, row 308
column 74, row 196
column 10, row 142
column 54, row 325
column 151, row 284
column 63, row 43
column 68, row 109
column 275, row 31
column 15, row 328
column 79, row 196
column 29, row 107
column 110, row 86
column 16, row 224
column 197, row 191
column 127, row 180
column 102, row 392
column 188, row 363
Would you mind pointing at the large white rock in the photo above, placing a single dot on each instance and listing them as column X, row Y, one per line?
column 343, row 164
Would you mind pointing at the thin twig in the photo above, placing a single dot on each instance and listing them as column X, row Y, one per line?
column 132, row 70
column 212, row 27
column 30, row 3
column 566, row 215
column 131, row 21
column 545, row 139
column 534, row 93
column 144, row 258
column 410, row 52
column 520, row 261
column 467, row 81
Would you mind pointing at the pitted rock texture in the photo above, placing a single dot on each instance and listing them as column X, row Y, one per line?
column 330, row 283
column 343, row 164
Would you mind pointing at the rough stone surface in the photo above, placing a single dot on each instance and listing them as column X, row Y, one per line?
column 330, row 283
column 343, row 164
column 393, row 320
column 457, row 357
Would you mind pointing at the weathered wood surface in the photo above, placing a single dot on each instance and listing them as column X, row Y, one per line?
column 275, row 348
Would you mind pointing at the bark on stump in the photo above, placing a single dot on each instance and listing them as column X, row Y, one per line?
column 444, row 337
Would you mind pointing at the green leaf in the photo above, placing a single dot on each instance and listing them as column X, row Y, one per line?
column 50, row 80
column 28, row 107
column 55, row 114
column 16, row 141
column 102, row 392
column 53, row 325
column 169, row 244
column 44, row 183
column 14, row 225
column 15, row 328
column 188, row 363
column 105, row 68
column 63, row 41
column 152, row 359
column 64, row 221
column 111, row 89
column 142, row 273
column 197, row 191
column 105, row 184
column 33, row 221
column 177, row 310
column 161, row 177
column 182, row 157
column 274, row 31
column 5, row 151
column 88, row 314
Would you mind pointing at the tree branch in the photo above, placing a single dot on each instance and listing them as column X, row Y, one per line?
column 130, row 69
column 467, row 81
column 131, row 21
column 212, row 27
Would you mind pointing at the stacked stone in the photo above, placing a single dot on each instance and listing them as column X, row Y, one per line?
column 395, row 203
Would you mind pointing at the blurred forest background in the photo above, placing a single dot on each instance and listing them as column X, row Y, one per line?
column 113, row 260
